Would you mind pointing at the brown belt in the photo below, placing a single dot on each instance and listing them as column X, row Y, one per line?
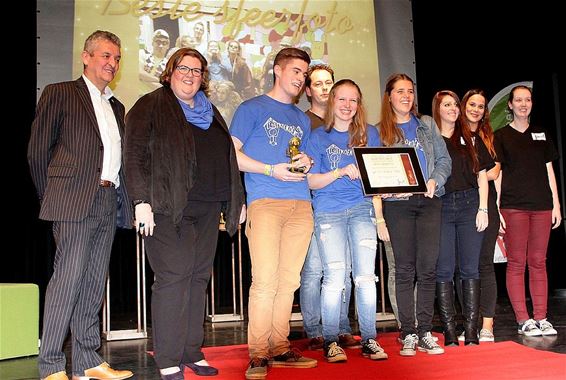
column 105, row 183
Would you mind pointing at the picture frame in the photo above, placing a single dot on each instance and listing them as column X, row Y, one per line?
column 390, row 170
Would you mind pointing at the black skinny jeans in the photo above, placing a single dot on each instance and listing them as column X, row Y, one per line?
column 414, row 228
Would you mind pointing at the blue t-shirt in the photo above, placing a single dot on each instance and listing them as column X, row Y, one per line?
column 410, row 132
column 265, row 126
column 330, row 151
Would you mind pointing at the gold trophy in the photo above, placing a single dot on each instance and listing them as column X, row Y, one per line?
column 292, row 151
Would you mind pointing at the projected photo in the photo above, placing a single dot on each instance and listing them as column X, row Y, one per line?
column 239, row 39
column 240, row 64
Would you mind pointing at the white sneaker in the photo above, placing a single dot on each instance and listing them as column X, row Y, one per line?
column 486, row 335
column 546, row 327
column 409, row 345
column 530, row 328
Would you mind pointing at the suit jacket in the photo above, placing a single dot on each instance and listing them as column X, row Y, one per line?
column 160, row 157
column 65, row 154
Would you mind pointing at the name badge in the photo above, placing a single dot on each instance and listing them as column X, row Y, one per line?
column 539, row 136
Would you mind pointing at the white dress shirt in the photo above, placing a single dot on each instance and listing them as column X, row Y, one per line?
column 109, row 133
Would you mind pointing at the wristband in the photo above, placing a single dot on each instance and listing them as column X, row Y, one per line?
column 268, row 170
column 482, row 209
column 380, row 220
column 336, row 174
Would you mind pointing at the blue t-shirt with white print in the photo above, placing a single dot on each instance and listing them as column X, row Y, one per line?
column 265, row 126
column 330, row 151
column 410, row 132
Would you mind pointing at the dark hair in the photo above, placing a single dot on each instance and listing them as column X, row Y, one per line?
column 388, row 130
column 310, row 71
column 460, row 132
column 484, row 126
column 357, row 130
column 93, row 39
column 287, row 54
column 176, row 58
column 521, row 86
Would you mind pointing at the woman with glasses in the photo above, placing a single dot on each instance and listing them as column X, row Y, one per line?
column 180, row 186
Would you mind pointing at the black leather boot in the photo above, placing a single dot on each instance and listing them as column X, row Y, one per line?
column 445, row 298
column 471, row 295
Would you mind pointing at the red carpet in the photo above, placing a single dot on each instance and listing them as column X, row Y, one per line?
column 505, row 360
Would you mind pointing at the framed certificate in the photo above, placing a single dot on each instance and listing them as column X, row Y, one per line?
column 390, row 170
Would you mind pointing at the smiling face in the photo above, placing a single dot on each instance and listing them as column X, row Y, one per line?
column 448, row 110
column 102, row 63
column 346, row 100
column 290, row 78
column 475, row 109
column 185, row 86
column 522, row 103
column 402, row 97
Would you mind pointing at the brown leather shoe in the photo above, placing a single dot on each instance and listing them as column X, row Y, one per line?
column 348, row 341
column 57, row 376
column 104, row 372
column 316, row 343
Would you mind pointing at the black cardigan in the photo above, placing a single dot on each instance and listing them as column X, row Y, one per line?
column 160, row 158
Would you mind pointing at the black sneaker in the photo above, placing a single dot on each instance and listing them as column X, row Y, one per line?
column 372, row 350
column 428, row 345
column 292, row 358
column 257, row 369
column 334, row 353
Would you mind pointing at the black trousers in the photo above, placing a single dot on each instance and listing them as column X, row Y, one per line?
column 414, row 228
column 488, row 283
column 181, row 257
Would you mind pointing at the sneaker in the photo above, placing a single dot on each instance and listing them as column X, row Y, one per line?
column 529, row 328
column 316, row 344
column 372, row 350
column 348, row 341
column 334, row 353
column 292, row 358
column 435, row 338
column 486, row 335
column 409, row 345
column 428, row 345
column 546, row 327
column 257, row 369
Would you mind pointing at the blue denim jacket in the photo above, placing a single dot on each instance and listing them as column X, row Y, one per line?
column 439, row 163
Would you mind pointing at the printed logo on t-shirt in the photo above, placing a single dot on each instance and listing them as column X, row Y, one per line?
column 334, row 154
column 273, row 127
column 539, row 136
column 414, row 143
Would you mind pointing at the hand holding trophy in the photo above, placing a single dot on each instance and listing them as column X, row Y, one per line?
column 292, row 151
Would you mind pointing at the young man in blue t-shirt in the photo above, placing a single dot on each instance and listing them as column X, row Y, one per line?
column 280, row 223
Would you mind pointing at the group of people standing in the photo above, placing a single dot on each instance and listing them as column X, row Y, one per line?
column 84, row 154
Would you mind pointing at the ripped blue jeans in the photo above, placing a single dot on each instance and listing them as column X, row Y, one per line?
column 339, row 234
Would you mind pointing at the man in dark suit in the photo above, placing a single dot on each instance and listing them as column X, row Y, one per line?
column 75, row 158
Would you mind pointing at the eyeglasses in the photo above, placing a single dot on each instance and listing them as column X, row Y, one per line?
column 186, row 69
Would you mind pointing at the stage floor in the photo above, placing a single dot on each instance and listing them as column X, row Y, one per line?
column 132, row 354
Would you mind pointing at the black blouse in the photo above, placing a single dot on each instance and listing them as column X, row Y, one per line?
column 463, row 176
